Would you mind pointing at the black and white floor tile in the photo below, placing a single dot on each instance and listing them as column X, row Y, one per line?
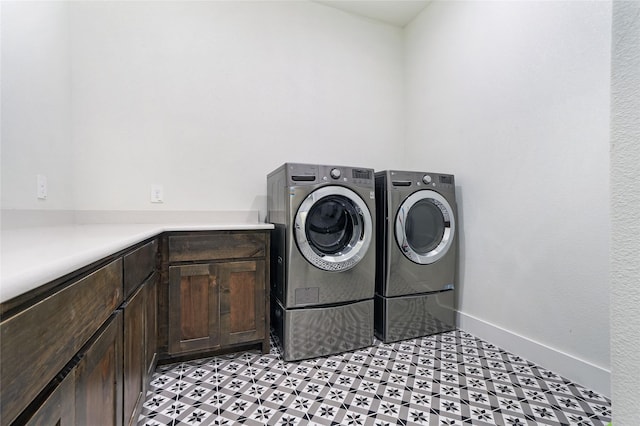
column 448, row 379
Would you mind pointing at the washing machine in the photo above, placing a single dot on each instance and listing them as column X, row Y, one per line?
column 416, row 254
column 322, row 258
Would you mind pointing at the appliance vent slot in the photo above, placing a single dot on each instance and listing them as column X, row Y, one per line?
column 401, row 183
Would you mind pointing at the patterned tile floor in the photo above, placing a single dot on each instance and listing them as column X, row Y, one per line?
column 448, row 379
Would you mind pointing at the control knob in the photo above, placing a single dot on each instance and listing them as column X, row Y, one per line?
column 426, row 179
column 335, row 173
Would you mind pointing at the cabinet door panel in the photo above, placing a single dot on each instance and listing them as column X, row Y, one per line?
column 152, row 324
column 194, row 300
column 134, row 352
column 99, row 378
column 193, row 297
column 242, row 313
column 242, row 301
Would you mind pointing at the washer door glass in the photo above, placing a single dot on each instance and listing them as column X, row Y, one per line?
column 425, row 227
column 333, row 228
column 330, row 224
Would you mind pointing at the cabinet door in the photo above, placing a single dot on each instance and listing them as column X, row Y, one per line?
column 99, row 377
column 242, row 301
column 58, row 409
column 134, row 364
column 152, row 323
column 193, row 308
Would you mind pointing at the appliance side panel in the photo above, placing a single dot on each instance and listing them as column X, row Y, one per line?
column 382, row 213
column 276, row 197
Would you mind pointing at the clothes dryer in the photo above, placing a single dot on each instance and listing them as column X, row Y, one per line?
column 416, row 254
column 323, row 258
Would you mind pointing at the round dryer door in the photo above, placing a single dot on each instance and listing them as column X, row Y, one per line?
column 425, row 227
column 333, row 228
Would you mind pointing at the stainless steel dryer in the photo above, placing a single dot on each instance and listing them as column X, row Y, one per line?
column 323, row 258
column 416, row 254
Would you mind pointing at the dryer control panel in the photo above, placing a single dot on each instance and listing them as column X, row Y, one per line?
column 312, row 174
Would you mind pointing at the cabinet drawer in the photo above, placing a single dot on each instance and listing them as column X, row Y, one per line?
column 138, row 265
column 39, row 341
column 216, row 246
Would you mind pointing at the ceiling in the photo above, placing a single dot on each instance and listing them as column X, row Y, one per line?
column 394, row 12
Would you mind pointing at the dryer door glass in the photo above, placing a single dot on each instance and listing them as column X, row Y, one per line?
column 333, row 228
column 425, row 227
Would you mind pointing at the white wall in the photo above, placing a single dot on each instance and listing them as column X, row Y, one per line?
column 36, row 109
column 206, row 98
column 513, row 98
column 625, row 212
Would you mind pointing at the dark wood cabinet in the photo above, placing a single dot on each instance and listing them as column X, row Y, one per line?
column 40, row 340
column 83, row 353
column 217, row 291
column 151, row 349
column 194, row 310
column 134, row 362
column 138, row 265
column 242, row 302
column 139, row 335
column 59, row 407
column 217, row 245
column 81, row 350
column 98, row 386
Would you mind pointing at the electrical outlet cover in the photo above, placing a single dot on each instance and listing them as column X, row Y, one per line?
column 157, row 193
column 41, row 191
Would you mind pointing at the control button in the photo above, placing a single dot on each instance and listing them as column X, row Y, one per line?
column 335, row 173
column 426, row 179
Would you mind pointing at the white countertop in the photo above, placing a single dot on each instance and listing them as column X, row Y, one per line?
column 33, row 256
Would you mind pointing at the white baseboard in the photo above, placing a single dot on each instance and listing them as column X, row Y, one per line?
column 575, row 369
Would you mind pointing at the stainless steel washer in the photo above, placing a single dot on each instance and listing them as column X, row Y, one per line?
column 416, row 254
column 323, row 258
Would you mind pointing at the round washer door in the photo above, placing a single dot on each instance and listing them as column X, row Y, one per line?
column 425, row 227
column 333, row 228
